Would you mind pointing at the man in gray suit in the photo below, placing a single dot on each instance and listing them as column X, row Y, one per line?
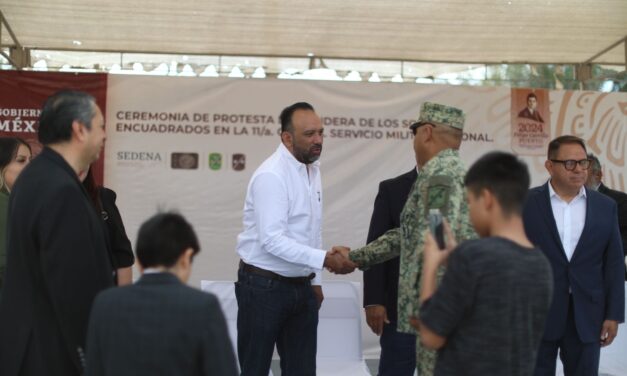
column 159, row 325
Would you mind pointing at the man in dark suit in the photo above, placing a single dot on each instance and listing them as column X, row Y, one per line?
column 398, row 350
column 160, row 325
column 57, row 258
column 577, row 229
column 595, row 177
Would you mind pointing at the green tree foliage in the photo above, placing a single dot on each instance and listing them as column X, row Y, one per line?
column 551, row 76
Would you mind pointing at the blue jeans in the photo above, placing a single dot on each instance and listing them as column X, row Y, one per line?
column 275, row 312
column 398, row 352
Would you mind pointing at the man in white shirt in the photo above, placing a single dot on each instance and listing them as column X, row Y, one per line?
column 577, row 229
column 278, row 289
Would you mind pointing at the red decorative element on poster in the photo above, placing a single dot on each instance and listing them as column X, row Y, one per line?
column 22, row 95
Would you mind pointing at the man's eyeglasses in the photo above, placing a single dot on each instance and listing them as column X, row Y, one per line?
column 570, row 164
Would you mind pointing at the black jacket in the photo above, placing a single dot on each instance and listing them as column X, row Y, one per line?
column 56, row 264
column 621, row 203
column 120, row 246
column 381, row 280
column 158, row 326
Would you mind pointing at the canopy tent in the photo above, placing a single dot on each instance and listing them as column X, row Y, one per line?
column 483, row 31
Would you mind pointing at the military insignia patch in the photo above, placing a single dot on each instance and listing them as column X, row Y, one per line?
column 215, row 161
column 238, row 162
column 438, row 194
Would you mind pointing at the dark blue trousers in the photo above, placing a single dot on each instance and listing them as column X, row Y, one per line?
column 398, row 352
column 578, row 358
column 273, row 312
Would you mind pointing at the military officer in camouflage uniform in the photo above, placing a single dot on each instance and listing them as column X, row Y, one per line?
column 439, row 185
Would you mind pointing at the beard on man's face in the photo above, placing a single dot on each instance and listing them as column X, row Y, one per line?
column 307, row 155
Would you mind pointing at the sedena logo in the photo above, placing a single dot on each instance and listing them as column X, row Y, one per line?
column 139, row 159
column 144, row 156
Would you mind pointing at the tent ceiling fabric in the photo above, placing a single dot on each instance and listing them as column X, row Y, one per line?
column 549, row 31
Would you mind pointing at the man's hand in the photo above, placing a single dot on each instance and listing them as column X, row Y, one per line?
column 337, row 261
column 340, row 249
column 376, row 317
column 608, row 332
column 433, row 257
column 317, row 290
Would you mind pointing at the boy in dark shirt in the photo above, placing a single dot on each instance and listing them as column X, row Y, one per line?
column 487, row 316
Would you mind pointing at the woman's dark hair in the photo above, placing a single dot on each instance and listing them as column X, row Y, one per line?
column 8, row 149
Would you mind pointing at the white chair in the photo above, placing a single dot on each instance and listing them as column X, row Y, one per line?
column 339, row 328
column 339, row 331
column 225, row 292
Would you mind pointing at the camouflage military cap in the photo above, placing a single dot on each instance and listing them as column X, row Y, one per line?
column 439, row 114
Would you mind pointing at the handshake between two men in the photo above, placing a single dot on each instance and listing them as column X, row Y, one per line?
column 337, row 261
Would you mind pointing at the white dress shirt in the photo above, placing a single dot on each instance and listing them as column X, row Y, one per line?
column 570, row 218
column 283, row 217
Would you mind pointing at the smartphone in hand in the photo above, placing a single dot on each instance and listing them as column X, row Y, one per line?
column 437, row 227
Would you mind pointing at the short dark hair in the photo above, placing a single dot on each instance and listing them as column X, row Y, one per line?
column 8, row 149
column 504, row 175
column 60, row 111
column 556, row 143
column 163, row 238
column 286, row 115
column 595, row 164
column 531, row 95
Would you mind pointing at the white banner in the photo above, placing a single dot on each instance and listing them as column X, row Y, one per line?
column 191, row 144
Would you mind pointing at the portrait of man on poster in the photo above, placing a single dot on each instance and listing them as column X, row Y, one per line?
column 531, row 112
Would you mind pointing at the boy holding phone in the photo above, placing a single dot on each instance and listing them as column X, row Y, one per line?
column 488, row 314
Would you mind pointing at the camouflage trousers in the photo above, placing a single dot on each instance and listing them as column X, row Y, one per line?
column 425, row 360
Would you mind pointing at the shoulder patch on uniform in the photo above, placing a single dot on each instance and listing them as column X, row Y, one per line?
column 438, row 192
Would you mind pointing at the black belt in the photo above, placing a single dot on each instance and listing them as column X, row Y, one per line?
column 272, row 275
